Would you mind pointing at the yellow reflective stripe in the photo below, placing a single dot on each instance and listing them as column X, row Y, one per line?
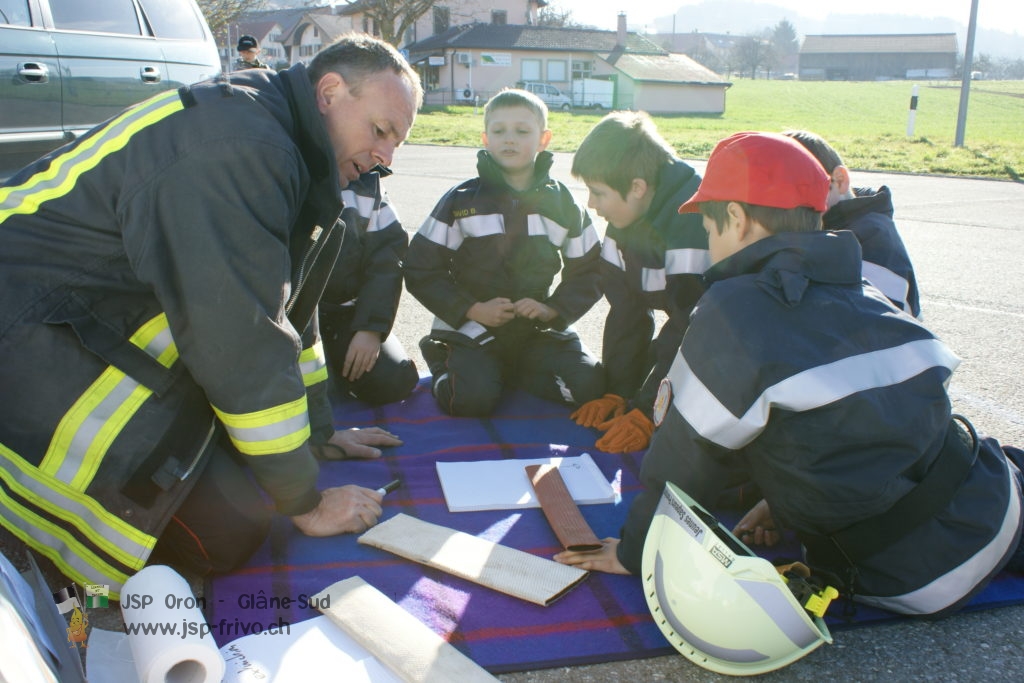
column 60, row 177
column 49, row 549
column 279, row 429
column 86, row 431
column 313, row 364
column 113, row 535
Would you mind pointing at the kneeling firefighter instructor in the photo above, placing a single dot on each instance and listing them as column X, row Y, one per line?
column 159, row 278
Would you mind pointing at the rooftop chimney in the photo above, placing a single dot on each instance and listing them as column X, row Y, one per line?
column 620, row 37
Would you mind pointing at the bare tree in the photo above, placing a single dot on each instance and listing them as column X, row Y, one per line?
column 752, row 53
column 394, row 17
column 556, row 16
column 221, row 13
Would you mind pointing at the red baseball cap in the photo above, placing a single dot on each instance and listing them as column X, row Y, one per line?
column 766, row 169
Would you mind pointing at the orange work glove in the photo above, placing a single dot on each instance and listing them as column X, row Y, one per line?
column 630, row 432
column 593, row 413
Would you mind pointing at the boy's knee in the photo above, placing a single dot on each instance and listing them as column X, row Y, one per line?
column 458, row 400
column 393, row 383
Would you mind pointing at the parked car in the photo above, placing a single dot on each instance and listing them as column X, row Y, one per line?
column 67, row 65
column 549, row 94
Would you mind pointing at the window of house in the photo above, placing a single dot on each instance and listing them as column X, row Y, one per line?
column 529, row 70
column 442, row 19
column 557, row 70
column 582, row 68
column 499, row 17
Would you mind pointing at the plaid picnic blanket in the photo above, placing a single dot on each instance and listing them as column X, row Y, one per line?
column 603, row 619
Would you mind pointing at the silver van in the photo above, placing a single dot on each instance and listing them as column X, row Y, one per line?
column 549, row 94
column 67, row 65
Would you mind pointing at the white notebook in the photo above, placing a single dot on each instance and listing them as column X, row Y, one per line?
column 503, row 484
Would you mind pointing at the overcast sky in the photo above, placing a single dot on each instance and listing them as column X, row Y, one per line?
column 1005, row 15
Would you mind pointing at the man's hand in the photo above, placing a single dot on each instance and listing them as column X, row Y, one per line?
column 493, row 313
column 356, row 443
column 627, row 433
column 758, row 526
column 342, row 510
column 593, row 413
column 362, row 354
column 535, row 310
column 604, row 560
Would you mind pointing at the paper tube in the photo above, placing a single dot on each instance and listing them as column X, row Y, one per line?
column 158, row 596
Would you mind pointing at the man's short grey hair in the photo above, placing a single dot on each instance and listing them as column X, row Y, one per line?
column 355, row 56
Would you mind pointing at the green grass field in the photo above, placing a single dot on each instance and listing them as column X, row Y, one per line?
column 865, row 122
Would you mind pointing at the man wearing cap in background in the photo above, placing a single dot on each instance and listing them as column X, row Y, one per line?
column 249, row 54
column 804, row 378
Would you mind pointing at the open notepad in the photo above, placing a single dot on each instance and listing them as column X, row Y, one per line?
column 504, row 485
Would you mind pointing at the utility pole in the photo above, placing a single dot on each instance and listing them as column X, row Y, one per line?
column 965, row 81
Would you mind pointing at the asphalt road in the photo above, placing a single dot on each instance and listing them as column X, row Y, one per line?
column 966, row 239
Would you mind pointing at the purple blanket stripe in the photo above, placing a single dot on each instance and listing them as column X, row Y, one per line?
column 603, row 619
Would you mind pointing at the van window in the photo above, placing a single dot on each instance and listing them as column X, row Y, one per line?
column 14, row 13
column 102, row 16
column 172, row 19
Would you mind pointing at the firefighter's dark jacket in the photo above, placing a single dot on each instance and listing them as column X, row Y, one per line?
column 485, row 240
column 145, row 272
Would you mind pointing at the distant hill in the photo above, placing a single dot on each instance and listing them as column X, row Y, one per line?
column 737, row 17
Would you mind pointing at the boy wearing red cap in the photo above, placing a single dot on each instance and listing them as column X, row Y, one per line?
column 833, row 401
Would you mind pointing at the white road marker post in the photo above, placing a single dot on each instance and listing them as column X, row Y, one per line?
column 913, row 111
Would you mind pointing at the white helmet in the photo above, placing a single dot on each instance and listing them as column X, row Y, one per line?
column 719, row 604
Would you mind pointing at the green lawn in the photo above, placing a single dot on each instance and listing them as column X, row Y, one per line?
column 865, row 122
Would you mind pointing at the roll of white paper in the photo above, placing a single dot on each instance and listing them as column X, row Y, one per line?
column 170, row 639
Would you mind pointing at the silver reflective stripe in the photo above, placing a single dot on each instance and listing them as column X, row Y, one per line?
column 479, row 225
column 807, row 390
column 386, row 215
column 782, row 609
column 90, row 428
column 92, row 436
column 114, row 536
column 577, row 247
column 610, row 253
column 726, row 654
column 361, row 203
column 441, row 233
column 70, row 563
column 889, row 283
column 541, row 226
column 652, row 279
column 687, row 261
column 265, row 433
column 316, row 363
column 958, row 582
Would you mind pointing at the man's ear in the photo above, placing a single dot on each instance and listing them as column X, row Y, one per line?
column 841, row 178
column 329, row 86
column 483, row 138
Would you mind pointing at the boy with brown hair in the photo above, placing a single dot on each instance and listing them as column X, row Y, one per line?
column 652, row 260
column 833, row 401
column 867, row 213
column 484, row 261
